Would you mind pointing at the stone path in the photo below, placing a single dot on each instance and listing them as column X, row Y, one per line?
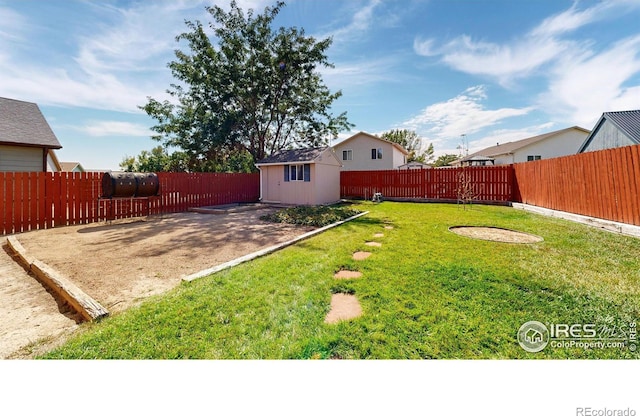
column 346, row 306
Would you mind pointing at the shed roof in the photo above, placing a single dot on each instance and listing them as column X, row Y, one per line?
column 22, row 123
column 294, row 155
column 628, row 122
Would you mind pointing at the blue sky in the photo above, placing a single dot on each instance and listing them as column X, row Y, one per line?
column 491, row 70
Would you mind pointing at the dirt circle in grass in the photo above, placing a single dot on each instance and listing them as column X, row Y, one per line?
column 501, row 235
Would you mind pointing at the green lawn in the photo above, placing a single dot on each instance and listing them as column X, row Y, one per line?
column 426, row 293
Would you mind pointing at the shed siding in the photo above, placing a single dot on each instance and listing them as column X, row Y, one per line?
column 327, row 183
column 20, row 159
column 297, row 192
column 608, row 136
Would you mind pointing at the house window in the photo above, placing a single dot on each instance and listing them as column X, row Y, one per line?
column 376, row 153
column 297, row 173
column 533, row 157
column 347, row 155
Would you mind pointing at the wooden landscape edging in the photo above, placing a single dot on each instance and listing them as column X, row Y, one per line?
column 266, row 251
column 81, row 302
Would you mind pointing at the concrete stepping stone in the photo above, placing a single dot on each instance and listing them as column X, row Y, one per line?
column 347, row 274
column 388, row 227
column 378, row 235
column 373, row 244
column 361, row 255
column 343, row 307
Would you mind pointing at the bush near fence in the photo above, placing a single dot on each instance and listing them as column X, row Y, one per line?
column 38, row 200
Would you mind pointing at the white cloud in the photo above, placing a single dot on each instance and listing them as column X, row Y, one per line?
column 504, row 136
column 12, row 25
column 359, row 73
column 115, row 66
column 463, row 114
column 522, row 56
column 569, row 20
column 584, row 86
column 360, row 22
column 115, row 128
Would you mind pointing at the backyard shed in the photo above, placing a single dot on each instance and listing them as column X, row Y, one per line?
column 300, row 177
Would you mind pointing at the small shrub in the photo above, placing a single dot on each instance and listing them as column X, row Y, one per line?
column 314, row 216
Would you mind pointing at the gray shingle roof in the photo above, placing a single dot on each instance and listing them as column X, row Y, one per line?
column 295, row 155
column 22, row 123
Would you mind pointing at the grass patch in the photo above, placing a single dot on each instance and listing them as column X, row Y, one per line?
column 425, row 293
column 316, row 216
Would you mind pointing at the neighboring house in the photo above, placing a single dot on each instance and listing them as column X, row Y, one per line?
column 26, row 140
column 476, row 160
column 614, row 129
column 300, row 177
column 545, row 146
column 364, row 151
column 71, row 167
column 414, row 165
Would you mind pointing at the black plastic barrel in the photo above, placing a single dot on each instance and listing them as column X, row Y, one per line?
column 118, row 185
column 129, row 184
column 148, row 184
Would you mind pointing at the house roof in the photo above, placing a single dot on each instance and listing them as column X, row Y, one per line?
column 510, row 147
column 22, row 124
column 292, row 156
column 628, row 122
column 396, row 145
column 70, row 166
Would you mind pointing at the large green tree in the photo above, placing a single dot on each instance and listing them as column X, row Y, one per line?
column 247, row 88
column 410, row 140
column 444, row 160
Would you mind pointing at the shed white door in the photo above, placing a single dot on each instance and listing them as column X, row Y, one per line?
column 272, row 179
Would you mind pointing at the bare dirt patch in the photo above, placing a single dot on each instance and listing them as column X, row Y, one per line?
column 121, row 263
column 496, row 234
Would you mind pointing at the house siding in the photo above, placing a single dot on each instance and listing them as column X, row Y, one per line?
column 561, row 144
column 361, row 146
column 608, row 136
column 20, row 159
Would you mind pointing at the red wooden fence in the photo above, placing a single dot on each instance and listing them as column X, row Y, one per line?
column 603, row 184
column 490, row 183
column 36, row 200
